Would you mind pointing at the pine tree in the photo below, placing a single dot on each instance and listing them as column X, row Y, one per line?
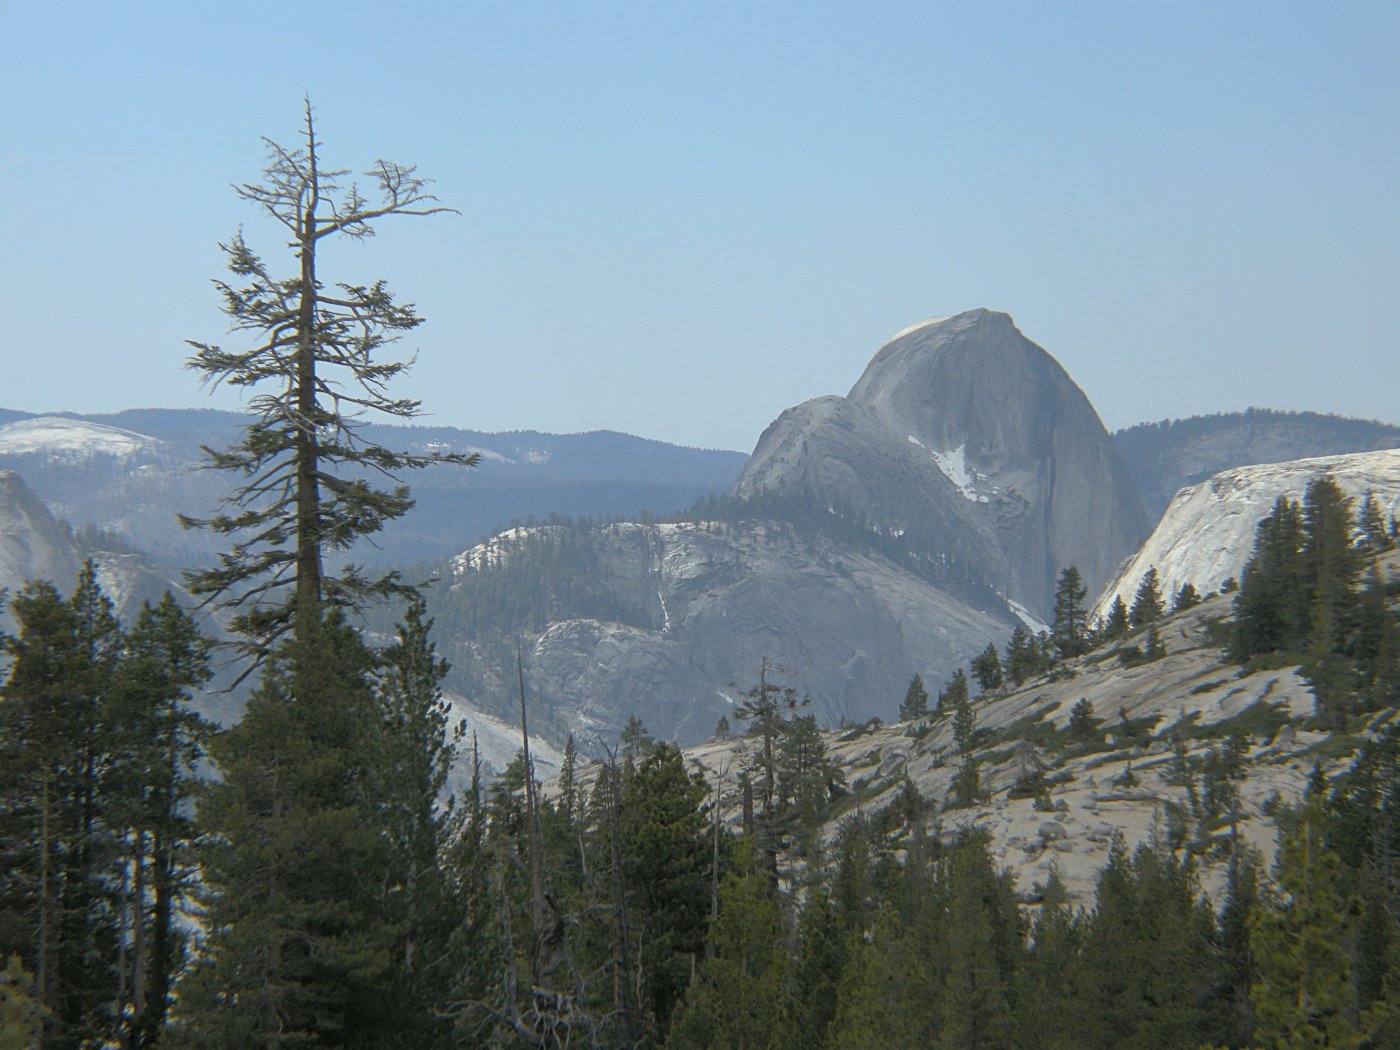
column 409, row 759
column 55, row 839
column 1082, row 723
column 158, row 742
column 1022, row 661
column 983, row 947
column 298, row 945
column 666, row 854
column 737, row 1000
column 1271, row 605
column 1069, row 631
column 986, row 668
column 313, row 370
column 1147, row 602
column 1303, row 993
column 1376, row 537
column 1186, row 598
column 768, row 706
column 1116, row 625
column 915, row 703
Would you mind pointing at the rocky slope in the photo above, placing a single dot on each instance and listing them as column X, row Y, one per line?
column 35, row 546
column 698, row 606
column 1207, row 534
column 1167, row 456
column 1119, row 784
column 963, row 427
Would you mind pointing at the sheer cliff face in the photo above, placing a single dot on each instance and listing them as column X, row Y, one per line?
column 964, row 422
column 32, row 545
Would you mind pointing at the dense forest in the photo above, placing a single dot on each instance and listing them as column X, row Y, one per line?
column 322, row 893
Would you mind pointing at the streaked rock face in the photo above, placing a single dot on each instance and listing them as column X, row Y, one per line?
column 965, row 425
column 1207, row 534
column 33, row 546
column 853, row 628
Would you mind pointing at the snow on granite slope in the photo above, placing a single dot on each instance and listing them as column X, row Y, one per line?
column 1207, row 534
column 70, row 436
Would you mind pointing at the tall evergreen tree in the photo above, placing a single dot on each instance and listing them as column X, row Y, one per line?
column 314, row 367
column 56, row 834
column 1147, row 602
column 410, row 756
column 737, row 1000
column 1070, row 629
column 986, row 668
column 158, row 741
column 666, row 855
column 298, row 946
column 1303, row 993
column 1272, row 602
column 1115, row 627
column 915, row 703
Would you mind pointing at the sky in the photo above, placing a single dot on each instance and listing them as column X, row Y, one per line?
column 678, row 219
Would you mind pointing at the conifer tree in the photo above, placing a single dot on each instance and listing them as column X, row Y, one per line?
column 158, row 741
column 1147, row 602
column 411, row 751
column 666, row 853
column 983, row 947
column 56, row 840
column 1303, row 993
column 1115, row 627
column 1069, row 631
column 737, row 999
column 1272, row 601
column 315, row 367
column 1186, row 598
column 298, row 947
column 1022, row 660
column 915, row 703
column 986, row 668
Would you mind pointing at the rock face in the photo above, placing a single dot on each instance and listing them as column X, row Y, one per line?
column 1117, row 786
column 713, row 600
column 1167, row 456
column 33, row 545
column 964, row 425
column 1207, row 534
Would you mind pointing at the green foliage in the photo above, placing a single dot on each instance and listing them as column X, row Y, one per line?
column 1083, row 726
column 915, row 703
column 96, row 752
column 1069, row 631
column 987, row 670
column 1147, row 602
column 666, row 853
column 1116, row 626
column 1186, row 598
column 299, row 946
column 737, row 999
column 1025, row 656
column 1302, row 995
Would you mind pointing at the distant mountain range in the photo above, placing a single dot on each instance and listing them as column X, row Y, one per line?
column 899, row 529
column 130, row 472
column 1167, row 456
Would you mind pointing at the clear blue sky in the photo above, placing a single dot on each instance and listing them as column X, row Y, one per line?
column 678, row 219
